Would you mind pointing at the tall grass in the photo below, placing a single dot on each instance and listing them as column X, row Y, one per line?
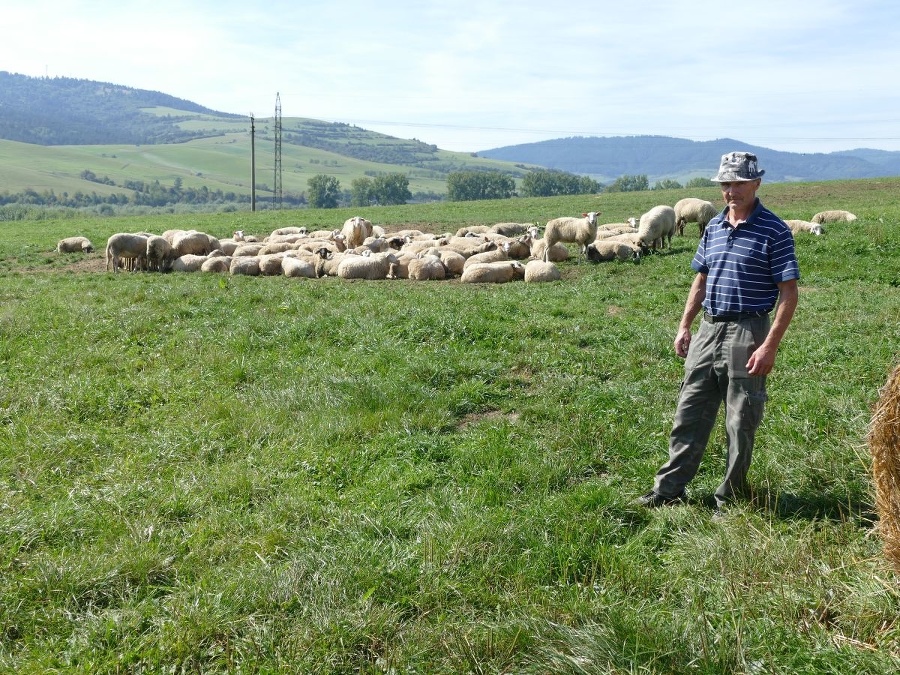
column 202, row 473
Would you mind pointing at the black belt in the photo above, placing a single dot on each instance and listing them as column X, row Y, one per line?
column 724, row 318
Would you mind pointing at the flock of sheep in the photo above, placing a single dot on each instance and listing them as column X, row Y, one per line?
column 360, row 250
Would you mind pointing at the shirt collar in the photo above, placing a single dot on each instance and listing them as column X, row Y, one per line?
column 757, row 207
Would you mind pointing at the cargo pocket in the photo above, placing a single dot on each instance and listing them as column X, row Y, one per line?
column 752, row 408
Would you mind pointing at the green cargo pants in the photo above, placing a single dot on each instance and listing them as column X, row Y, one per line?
column 716, row 370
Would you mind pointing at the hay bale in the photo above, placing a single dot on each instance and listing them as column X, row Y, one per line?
column 884, row 444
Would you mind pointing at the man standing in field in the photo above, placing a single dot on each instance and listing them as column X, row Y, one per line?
column 745, row 263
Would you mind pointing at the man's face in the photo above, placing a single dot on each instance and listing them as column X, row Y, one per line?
column 740, row 195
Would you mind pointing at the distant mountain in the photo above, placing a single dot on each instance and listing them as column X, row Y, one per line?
column 68, row 111
column 662, row 157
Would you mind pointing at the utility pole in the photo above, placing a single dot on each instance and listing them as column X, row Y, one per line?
column 252, row 164
column 276, row 194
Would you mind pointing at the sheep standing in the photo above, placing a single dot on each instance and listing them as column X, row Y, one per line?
column 581, row 231
column 193, row 242
column 656, row 227
column 833, row 217
column 125, row 246
column 693, row 210
column 75, row 245
column 355, row 231
column 160, row 254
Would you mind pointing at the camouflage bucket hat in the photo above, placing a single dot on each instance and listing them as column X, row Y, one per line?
column 738, row 166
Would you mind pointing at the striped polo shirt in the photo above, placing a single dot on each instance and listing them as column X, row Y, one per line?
column 744, row 264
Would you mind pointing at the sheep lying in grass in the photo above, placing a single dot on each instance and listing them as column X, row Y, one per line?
column 122, row 246
column 189, row 263
column 693, row 210
column 454, row 261
column 798, row 226
column 834, row 216
column 656, row 227
column 75, row 245
column 608, row 249
column 555, row 253
column 493, row 273
column 495, row 255
column 511, row 229
column 426, row 268
column 244, row 266
column 581, row 231
column 538, row 270
column 218, row 264
column 298, row 268
column 370, row 267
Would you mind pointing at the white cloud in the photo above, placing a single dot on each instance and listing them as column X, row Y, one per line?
column 811, row 75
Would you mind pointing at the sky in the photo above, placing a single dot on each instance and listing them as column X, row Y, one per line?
column 471, row 75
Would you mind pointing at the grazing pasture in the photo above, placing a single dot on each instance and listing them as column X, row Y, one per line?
column 208, row 473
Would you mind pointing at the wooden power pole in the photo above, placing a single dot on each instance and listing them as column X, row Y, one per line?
column 252, row 164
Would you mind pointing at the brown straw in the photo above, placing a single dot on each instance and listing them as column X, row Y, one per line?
column 884, row 443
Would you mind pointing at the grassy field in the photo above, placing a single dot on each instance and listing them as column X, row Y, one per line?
column 220, row 162
column 209, row 474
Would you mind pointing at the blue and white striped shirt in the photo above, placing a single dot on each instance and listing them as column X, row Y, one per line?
column 745, row 264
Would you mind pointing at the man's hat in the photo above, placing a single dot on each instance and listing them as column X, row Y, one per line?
column 738, row 166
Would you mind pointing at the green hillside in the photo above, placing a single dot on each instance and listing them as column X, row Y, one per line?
column 221, row 159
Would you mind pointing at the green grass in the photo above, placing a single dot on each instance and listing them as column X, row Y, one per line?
column 220, row 162
column 212, row 474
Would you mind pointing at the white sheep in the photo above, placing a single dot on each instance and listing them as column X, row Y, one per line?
column 693, row 210
column 656, row 227
column 220, row 264
column 355, row 231
column 75, row 245
column 494, row 255
column 193, row 242
column 270, row 264
column 581, row 231
column 833, row 217
column 370, row 267
column 298, row 268
column 608, row 249
column 328, row 261
column 798, row 226
column 427, row 268
column 289, row 230
column 493, row 273
column 538, row 270
column 122, row 246
column 454, row 261
column 472, row 229
column 160, row 254
column 244, row 266
column 511, row 229
column 555, row 253
column 189, row 262
column 247, row 250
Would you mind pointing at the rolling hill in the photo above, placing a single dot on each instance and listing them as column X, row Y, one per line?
column 65, row 135
column 660, row 157
column 55, row 131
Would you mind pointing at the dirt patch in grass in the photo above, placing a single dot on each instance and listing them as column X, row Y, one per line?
column 490, row 415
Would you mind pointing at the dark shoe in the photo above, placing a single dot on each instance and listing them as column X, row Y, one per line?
column 652, row 500
column 719, row 514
